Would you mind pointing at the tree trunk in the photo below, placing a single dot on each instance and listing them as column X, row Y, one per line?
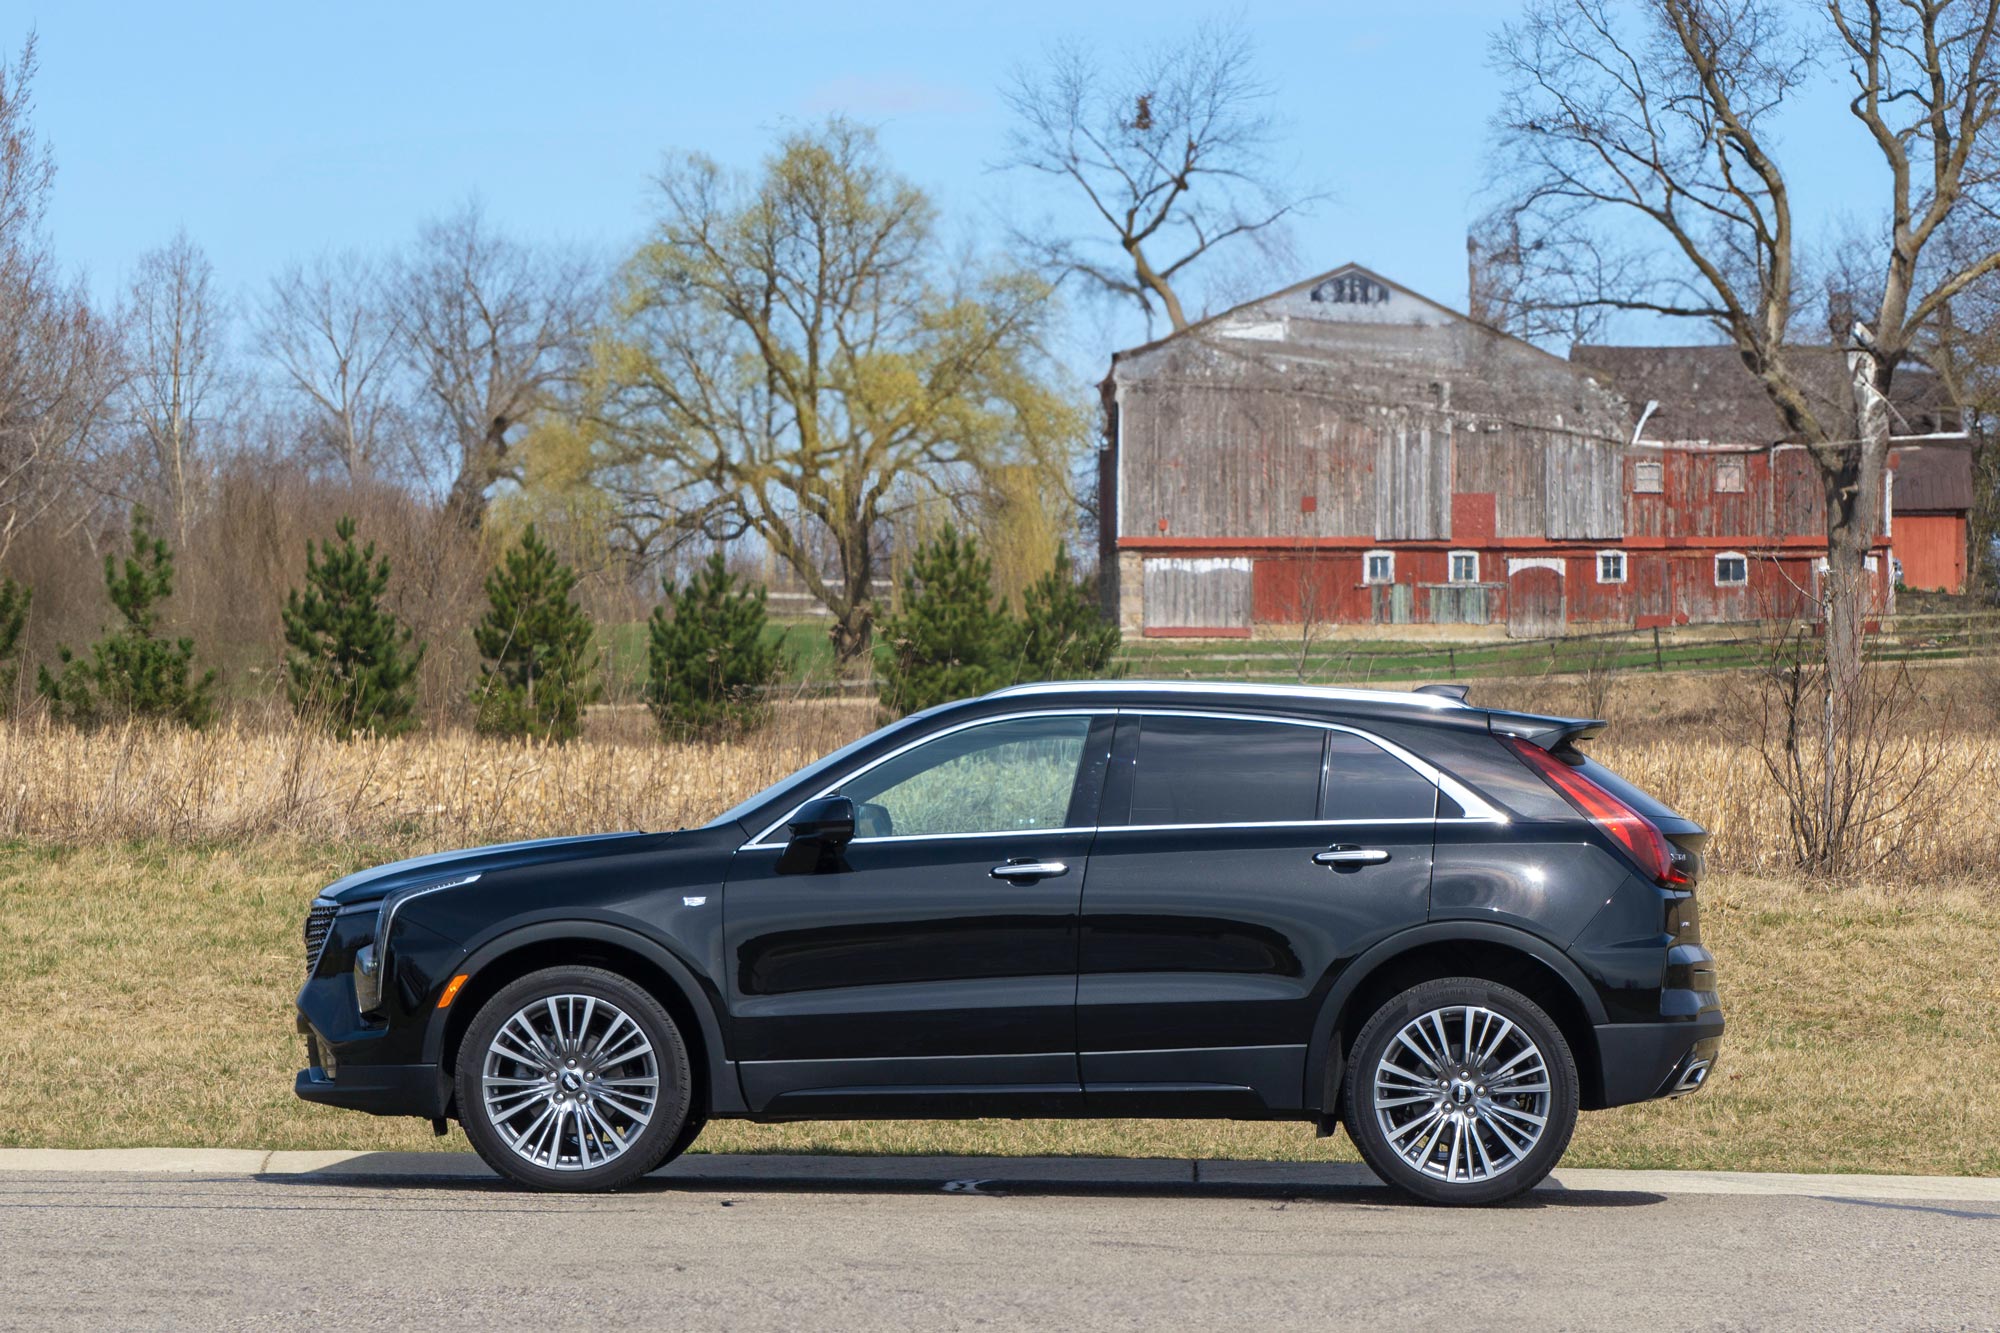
column 1853, row 518
column 853, row 629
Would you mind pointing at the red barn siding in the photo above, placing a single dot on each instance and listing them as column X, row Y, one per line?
column 1932, row 549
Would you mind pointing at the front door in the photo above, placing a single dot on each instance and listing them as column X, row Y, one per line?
column 1242, row 864
column 935, row 960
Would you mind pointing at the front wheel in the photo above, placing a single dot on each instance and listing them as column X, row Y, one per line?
column 573, row 1078
column 1461, row 1091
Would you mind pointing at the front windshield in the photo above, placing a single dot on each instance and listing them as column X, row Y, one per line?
column 813, row 772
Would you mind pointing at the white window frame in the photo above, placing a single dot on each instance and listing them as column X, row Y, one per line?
column 1624, row 566
column 1742, row 468
column 1639, row 486
column 1451, row 566
column 1721, row 582
column 1368, row 559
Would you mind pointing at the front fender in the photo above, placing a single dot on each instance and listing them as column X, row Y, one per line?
column 725, row 1094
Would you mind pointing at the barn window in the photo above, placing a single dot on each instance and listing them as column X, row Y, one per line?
column 1729, row 476
column 1732, row 570
column 1610, row 566
column 1648, row 478
column 1379, row 567
column 1465, row 566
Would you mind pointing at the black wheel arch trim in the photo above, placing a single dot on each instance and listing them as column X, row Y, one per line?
column 725, row 1095
column 1357, row 973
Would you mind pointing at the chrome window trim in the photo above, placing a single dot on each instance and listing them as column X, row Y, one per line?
column 1477, row 809
column 926, row 739
column 922, row 837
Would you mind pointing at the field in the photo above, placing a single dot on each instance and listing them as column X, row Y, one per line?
column 152, row 885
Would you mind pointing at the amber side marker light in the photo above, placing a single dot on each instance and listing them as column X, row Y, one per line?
column 451, row 989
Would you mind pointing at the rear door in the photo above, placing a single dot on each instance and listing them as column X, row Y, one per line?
column 937, row 960
column 1241, row 864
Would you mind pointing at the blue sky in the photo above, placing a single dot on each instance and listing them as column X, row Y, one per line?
column 272, row 132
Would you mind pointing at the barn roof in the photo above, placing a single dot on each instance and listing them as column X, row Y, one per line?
column 1706, row 393
column 1931, row 480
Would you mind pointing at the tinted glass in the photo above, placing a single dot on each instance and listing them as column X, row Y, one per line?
column 1198, row 770
column 1364, row 781
column 988, row 779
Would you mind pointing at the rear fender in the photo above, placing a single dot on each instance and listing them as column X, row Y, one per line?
column 1324, row 1065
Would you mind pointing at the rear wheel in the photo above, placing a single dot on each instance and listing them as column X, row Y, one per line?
column 573, row 1078
column 1461, row 1091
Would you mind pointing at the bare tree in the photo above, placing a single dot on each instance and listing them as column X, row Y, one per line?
column 57, row 357
column 1171, row 155
column 1642, row 169
column 330, row 331
column 798, row 360
column 495, row 330
column 176, row 328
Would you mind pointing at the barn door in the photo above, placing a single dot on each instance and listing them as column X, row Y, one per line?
column 1535, row 601
column 1198, row 597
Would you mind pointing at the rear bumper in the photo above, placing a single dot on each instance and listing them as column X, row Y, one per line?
column 1640, row 1061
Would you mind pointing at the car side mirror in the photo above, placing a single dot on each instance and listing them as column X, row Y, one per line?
column 819, row 829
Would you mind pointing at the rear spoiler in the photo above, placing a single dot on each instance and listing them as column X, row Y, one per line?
column 1544, row 732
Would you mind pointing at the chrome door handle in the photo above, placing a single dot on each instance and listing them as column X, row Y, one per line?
column 1350, row 856
column 1013, row 870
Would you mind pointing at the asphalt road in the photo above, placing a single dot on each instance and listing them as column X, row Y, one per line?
column 140, row 1251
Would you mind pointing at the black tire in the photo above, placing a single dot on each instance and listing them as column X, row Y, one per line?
column 1452, row 1116
column 576, row 1093
column 684, row 1140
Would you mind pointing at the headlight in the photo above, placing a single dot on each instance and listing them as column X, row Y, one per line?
column 371, row 960
column 367, row 978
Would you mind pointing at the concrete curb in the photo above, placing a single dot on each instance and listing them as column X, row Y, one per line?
column 970, row 1174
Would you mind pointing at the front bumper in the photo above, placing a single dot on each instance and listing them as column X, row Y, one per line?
column 418, row 1090
column 331, row 1078
column 1640, row 1061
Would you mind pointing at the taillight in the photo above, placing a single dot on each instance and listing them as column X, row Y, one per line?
column 1638, row 835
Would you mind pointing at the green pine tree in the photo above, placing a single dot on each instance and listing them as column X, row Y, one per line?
column 708, row 662
column 1061, row 634
column 951, row 640
column 540, row 668
column 132, row 671
column 351, row 665
column 14, row 601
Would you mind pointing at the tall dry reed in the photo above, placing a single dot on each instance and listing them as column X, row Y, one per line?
column 453, row 788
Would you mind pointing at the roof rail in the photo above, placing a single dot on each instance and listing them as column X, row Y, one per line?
column 1325, row 693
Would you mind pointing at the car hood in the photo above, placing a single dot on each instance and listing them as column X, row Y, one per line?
column 366, row 886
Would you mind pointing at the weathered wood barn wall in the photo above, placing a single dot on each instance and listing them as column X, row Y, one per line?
column 1349, row 451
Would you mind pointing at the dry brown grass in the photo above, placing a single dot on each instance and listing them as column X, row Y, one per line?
column 449, row 789
column 431, row 789
column 145, row 999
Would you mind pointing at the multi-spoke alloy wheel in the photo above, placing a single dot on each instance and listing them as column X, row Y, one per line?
column 570, row 1081
column 574, row 1079
column 1461, row 1091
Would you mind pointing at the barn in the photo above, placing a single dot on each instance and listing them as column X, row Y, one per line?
column 1350, row 452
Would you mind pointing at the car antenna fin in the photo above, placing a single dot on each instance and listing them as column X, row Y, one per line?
column 1457, row 692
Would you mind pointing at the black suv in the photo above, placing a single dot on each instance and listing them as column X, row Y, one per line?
column 1440, row 925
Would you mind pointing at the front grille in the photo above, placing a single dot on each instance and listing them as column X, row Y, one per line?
column 319, row 923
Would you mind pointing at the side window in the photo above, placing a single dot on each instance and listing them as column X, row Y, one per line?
column 996, row 778
column 1364, row 781
column 1202, row 770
